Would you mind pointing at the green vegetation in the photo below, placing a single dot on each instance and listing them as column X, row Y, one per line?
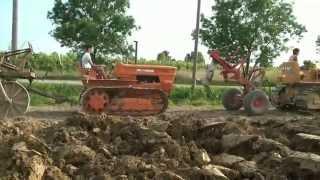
column 103, row 24
column 54, row 62
column 190, row 57
column 70, row 91
column 164, row 56
column 180, row 65
column 257, row 29
column 64, row 66
column 307, row 64
column 181, row 95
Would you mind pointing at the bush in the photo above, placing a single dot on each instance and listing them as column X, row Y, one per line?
column 54, row 62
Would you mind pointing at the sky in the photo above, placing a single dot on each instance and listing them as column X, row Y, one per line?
column 165, row 25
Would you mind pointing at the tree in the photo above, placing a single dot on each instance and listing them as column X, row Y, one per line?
column 307, row 64
column 164, row 56
column 259, row 29
column 318, row 45
column 190, row 56
column 103, row 24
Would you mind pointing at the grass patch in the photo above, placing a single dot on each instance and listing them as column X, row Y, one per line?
column 72, row 92
column 181, row 95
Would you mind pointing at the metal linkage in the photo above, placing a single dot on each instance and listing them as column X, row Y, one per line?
column 4, row 93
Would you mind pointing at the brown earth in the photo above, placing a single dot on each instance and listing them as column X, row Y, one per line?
column 184, row 143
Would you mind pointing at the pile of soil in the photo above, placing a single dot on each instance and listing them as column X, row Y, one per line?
column 175, row 145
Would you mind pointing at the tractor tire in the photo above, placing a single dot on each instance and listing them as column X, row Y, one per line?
column 232, row 99
column 279, row 100
column 256, row 102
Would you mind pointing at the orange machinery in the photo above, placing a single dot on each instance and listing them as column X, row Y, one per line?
column 135, row 90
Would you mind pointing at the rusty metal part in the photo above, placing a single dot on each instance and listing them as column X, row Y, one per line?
column 124, row 101
column 4, row 93
column 14, row 97
column 19, row 100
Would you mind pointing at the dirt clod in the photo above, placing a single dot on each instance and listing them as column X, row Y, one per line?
column 178, row 145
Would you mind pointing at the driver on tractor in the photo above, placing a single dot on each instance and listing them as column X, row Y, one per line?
column 294, row 56
column 86, row 61
column 89, row 69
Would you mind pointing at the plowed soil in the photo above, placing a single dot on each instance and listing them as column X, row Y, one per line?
column 57, row 143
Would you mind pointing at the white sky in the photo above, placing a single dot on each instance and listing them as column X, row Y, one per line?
column 167, row 25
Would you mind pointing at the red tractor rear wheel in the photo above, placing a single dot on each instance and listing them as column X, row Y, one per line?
column 232, row 99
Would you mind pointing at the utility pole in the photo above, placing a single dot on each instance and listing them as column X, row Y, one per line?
column 136, row 52
column 14, row 40
column 196, row 46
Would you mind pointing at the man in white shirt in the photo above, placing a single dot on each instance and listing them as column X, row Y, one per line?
column 86, row 61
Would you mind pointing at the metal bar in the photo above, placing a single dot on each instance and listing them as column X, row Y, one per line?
column 17, row 75
column 14, row 25
column 58, row 99
column 16, row 52
column 4, row 92
column 136, row 52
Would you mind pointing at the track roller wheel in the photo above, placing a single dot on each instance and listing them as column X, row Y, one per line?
column 95, row 101
column 256, row 102
column 19, row 100
column 232, row 99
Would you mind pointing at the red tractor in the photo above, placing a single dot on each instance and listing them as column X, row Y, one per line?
column 254, row 101
column 135, row 90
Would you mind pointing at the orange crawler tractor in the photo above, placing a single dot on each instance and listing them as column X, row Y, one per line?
column 135, row 90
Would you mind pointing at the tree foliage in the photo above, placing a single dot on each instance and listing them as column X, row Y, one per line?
column 103, row 24
column 258, row 28
column 307, row 64
column 190, row 56
column 164, row 56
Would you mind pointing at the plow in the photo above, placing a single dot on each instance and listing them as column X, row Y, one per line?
column 250, row 97
column 143, row 90
column 297, row 88
column 14, row 96
column 133, row 90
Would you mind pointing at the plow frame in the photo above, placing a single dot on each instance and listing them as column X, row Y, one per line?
column 234, row 72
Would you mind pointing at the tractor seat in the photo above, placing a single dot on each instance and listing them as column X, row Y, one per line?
column 96, row 72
